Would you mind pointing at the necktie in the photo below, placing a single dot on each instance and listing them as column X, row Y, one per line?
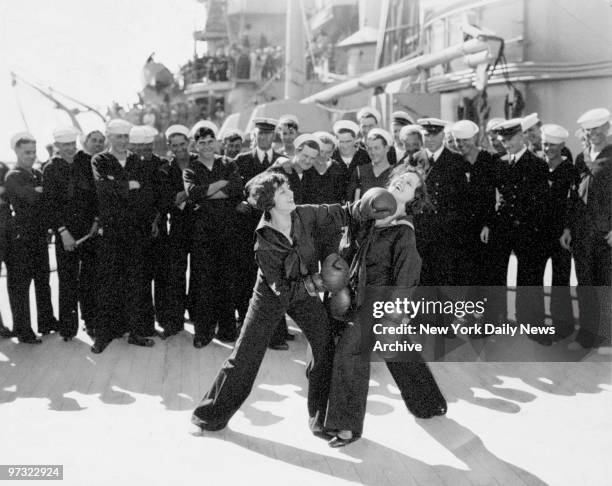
column 265, row 160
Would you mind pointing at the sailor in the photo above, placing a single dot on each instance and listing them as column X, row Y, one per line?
column 288, row 129
column 28, row 255
column 367, row 118
column 480, row 171
column 561, row 176
column 518, row 227
column 5, row 217
column 72, row 207
column 589, row 232
column 411, row 137
column 532, row 131
column 376, row 173
column 214, row 186
column 93, row 142
column 349, row 151
column 249, row 165
column 141, row 140
column 174, row 203
column 232, row 140
column 399, row 119
column 122, row 182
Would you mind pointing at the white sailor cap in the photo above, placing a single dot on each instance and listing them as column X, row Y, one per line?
column 408, row 129
column 264, row 123
column 141, row 134
column 232, row 132
column 177, row 130
column 346, row 125
column 464, row 129
column 552, row 133
column 401, row 118
column 368, row 111
column 509, row 127
column 65, row 134
column 21, row 136
column 204, row 124
column 594, row 118
column 118, row 126
column 306, row 137
column 325, row 135
column 432, row 125
column 288, row 119
column 380, row 132
column 529, row 121
column 493, row 122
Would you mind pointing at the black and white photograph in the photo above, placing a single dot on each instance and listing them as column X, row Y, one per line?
column 306, row 242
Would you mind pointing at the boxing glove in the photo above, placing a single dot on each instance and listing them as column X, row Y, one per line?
column 333, row 275
column 340, row 304
column 377, row 203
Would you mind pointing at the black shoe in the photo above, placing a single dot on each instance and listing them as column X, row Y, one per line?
column 5, row 332
column 279, row 346
column 206, row 426
column 99, row 346
column 49, row 327
column 30, row 340
column 140, row 341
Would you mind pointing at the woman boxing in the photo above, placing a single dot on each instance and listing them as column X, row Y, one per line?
column 383, row 254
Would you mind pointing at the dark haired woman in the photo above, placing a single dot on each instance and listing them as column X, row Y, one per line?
column 384, row 254
column 213, row 185
column 287, row 283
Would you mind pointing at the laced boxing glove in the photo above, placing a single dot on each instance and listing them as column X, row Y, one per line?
column 333, row 275
column 340, row 304
column 377, row 203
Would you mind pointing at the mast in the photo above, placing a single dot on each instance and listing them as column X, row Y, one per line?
column 295, row 65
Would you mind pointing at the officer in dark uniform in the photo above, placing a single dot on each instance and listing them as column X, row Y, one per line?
column 249, row 165
column 156, row 247
column 28, row 254
column 123, row 187
column 214, row 186
column 5, row 216
column 440, row 232
column 70, row 194
column 175, row 204
column 589, row 232
column 349, row 151
column 367, row 118
column 519, row 225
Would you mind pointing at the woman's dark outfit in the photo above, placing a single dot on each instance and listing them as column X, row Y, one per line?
column 383, row 256
column 279, row 290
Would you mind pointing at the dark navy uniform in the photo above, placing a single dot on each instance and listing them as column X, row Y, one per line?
column 560, row 181
column 5, row 218
column 125, row 219
column 440, row 231
column 519, row 227
column 360, row 157
column 28, row 254
column 180, row 226
column 71, row 202
column 590, row 220
column 213, row 250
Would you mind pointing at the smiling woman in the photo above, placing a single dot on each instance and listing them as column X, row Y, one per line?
column 82, row 55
